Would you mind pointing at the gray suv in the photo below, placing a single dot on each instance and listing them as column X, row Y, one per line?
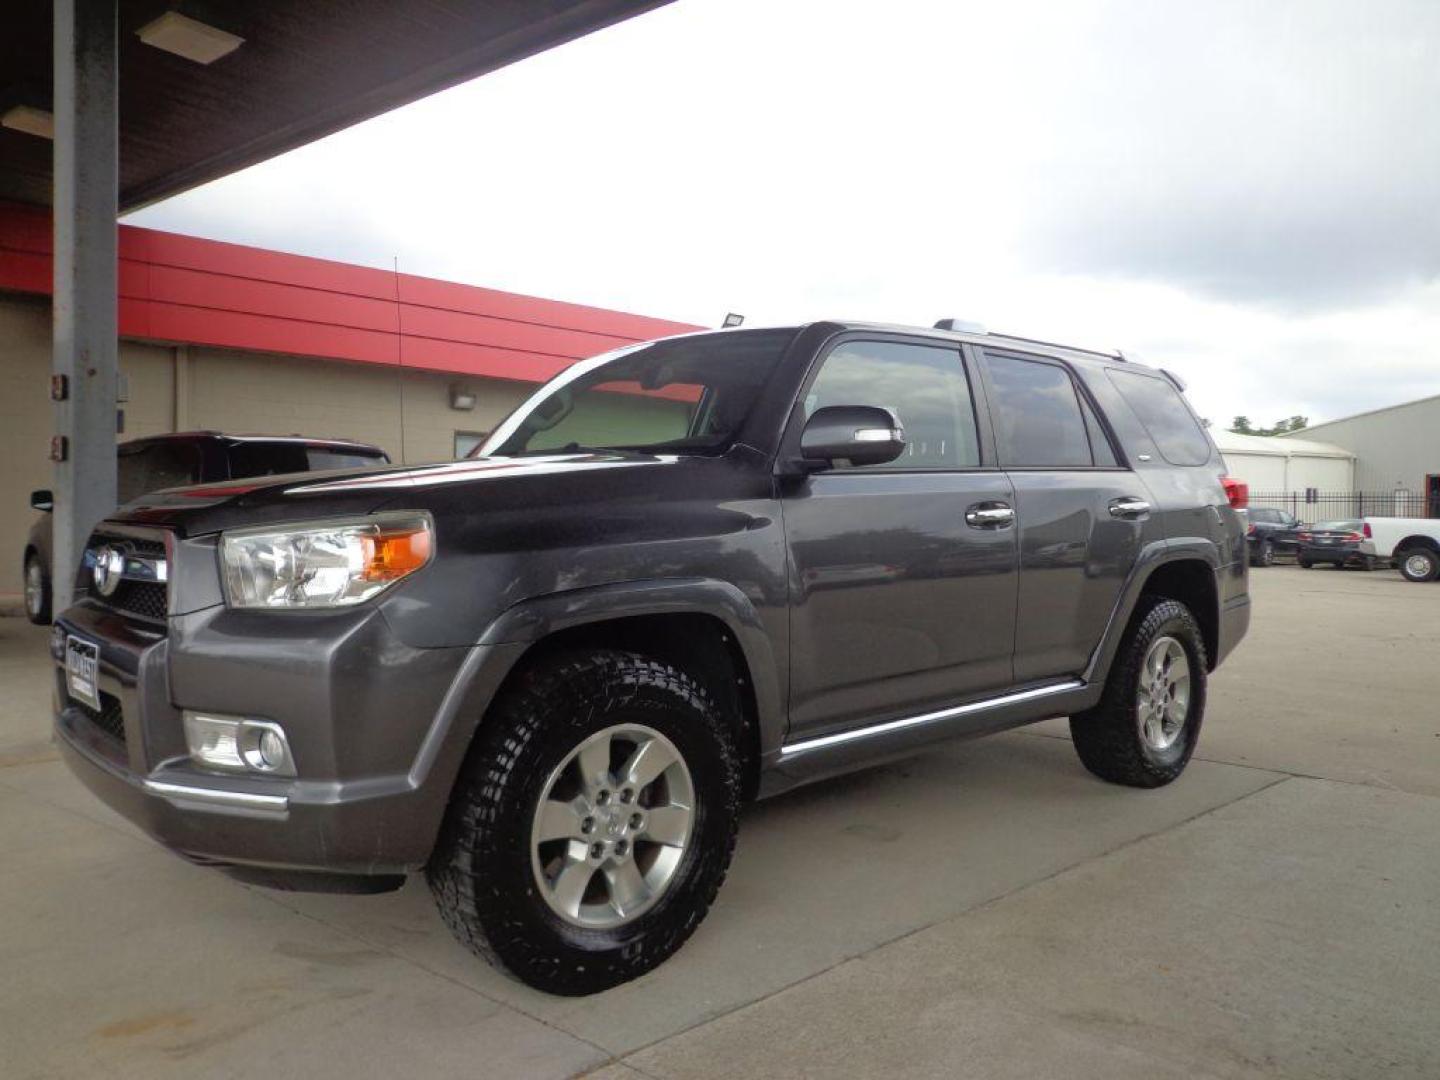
column 681, row 575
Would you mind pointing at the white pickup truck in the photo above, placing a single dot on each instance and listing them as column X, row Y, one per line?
column 1414, row 544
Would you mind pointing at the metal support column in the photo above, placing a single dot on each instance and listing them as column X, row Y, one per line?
column 86, row 204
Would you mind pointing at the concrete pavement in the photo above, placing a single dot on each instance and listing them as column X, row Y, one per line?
column 987, row 909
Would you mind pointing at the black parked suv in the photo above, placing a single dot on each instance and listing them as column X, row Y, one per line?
column 187, row 457
column 681, row 575
column 1271, row 532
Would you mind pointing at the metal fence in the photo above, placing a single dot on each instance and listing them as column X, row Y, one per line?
column 1312, row 505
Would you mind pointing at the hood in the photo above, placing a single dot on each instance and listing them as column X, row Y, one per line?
column 206, row 508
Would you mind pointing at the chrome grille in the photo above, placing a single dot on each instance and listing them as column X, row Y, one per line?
column 133, row 596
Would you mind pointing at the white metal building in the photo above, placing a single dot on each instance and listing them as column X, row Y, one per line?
column 1273, row 464
column 1396, row 448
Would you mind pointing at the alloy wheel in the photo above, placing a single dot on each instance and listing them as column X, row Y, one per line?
column 612, row 826
column 1162, row 700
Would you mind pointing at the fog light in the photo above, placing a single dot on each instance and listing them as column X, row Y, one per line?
column 237, row 744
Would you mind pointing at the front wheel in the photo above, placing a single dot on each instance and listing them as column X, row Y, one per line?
column 593, row 823
column 1265, row 554
column 1146, row 725
column 37, row 592
column 1419, row 564
column 1305, row 564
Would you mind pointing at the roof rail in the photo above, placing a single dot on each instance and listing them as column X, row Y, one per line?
column 1117, row 355
column 961, row 326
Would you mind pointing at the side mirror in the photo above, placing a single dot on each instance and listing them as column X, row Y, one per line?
column 855, row 434
column 42, row 500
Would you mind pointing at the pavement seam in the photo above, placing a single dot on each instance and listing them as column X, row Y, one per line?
column 964, row 913
column 1380, row 782
column 355, row 935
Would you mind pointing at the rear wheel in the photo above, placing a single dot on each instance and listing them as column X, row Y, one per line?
column 1419, row 564
column 593, row 824
column 1265, row 554
column 37, row 591
column 1305, row 564
column 1146, row 725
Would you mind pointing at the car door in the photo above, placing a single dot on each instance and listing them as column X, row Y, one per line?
column 1080, row 515
column 903, row 590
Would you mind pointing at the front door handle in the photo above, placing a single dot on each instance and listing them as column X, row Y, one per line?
column 1129, row 508
column 991, row 515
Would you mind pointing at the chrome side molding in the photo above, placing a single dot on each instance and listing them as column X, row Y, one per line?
column 820, row 742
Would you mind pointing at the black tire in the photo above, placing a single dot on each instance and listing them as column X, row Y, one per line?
column 1107, row 737
column 1264, row 554
column 481, row 873
column 1305, row 564
column 1418, row 564
column 39, row 614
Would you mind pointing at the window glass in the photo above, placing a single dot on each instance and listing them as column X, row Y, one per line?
column 1037, row 415
column 467, row 442
column 683, row 395
column 1172, row 427
column 320, row 457
column 924, row 386
column 153, row 466
column 1100, row 448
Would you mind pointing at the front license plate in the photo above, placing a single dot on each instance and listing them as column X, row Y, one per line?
column 82, row 664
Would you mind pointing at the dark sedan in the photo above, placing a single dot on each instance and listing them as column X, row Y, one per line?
column 1334, row 542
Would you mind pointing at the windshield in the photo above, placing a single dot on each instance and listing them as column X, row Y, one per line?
column 686, row 395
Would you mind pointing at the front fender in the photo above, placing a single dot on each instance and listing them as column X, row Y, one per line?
column 539, row 617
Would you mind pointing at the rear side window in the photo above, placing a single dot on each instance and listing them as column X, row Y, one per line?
column 1037, row 415
column 1172, row 427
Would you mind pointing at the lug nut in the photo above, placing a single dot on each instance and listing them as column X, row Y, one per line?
column 588, row 825
column 597, row 851
column 636, row 821
column 621, row 847
column 602, row 797
column 626, row 795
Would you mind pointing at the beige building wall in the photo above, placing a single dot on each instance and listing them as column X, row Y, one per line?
column 1394, row 448
column 185, row 388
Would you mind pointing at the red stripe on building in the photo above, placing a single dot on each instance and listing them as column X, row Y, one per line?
column 184, row 290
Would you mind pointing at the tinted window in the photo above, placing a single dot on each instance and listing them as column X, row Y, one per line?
column 682, row 395
column 152, row 466
column 318, row 457
column 1267, row 517
column 1177, row 436
column 925, row 386
column 1100, row 448
column 275, row 458
column 1037, row 415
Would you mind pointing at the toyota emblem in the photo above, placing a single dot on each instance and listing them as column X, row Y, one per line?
column 108, row 569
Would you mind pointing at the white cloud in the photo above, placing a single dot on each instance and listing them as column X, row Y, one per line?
column 1241, row 192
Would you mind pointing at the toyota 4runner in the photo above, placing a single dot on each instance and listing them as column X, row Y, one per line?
column 682, row 574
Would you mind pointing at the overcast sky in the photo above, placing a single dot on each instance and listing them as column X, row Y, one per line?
column 1247, row 193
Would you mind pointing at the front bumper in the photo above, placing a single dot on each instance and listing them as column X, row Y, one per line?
column 377, row 730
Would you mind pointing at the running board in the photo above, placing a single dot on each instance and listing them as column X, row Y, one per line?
column 791, row 751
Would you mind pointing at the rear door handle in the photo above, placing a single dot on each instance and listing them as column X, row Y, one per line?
column 1129, row 508
column 991, row 515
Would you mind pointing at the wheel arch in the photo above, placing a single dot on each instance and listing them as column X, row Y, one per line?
column 1178, row 570
column 706, row 627
column 1419, row 540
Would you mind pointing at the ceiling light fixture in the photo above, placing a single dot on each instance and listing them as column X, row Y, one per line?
column 190, row 38
column 29, row 119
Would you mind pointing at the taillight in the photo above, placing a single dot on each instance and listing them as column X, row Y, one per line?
column 1353, row 537
column 1250, row 531
column 1365, row 528
column 1306, row 536
column 1237, row 491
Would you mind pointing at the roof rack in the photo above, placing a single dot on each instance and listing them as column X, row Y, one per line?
column 963, row 327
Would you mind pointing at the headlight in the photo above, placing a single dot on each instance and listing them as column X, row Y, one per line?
column 330, row 564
